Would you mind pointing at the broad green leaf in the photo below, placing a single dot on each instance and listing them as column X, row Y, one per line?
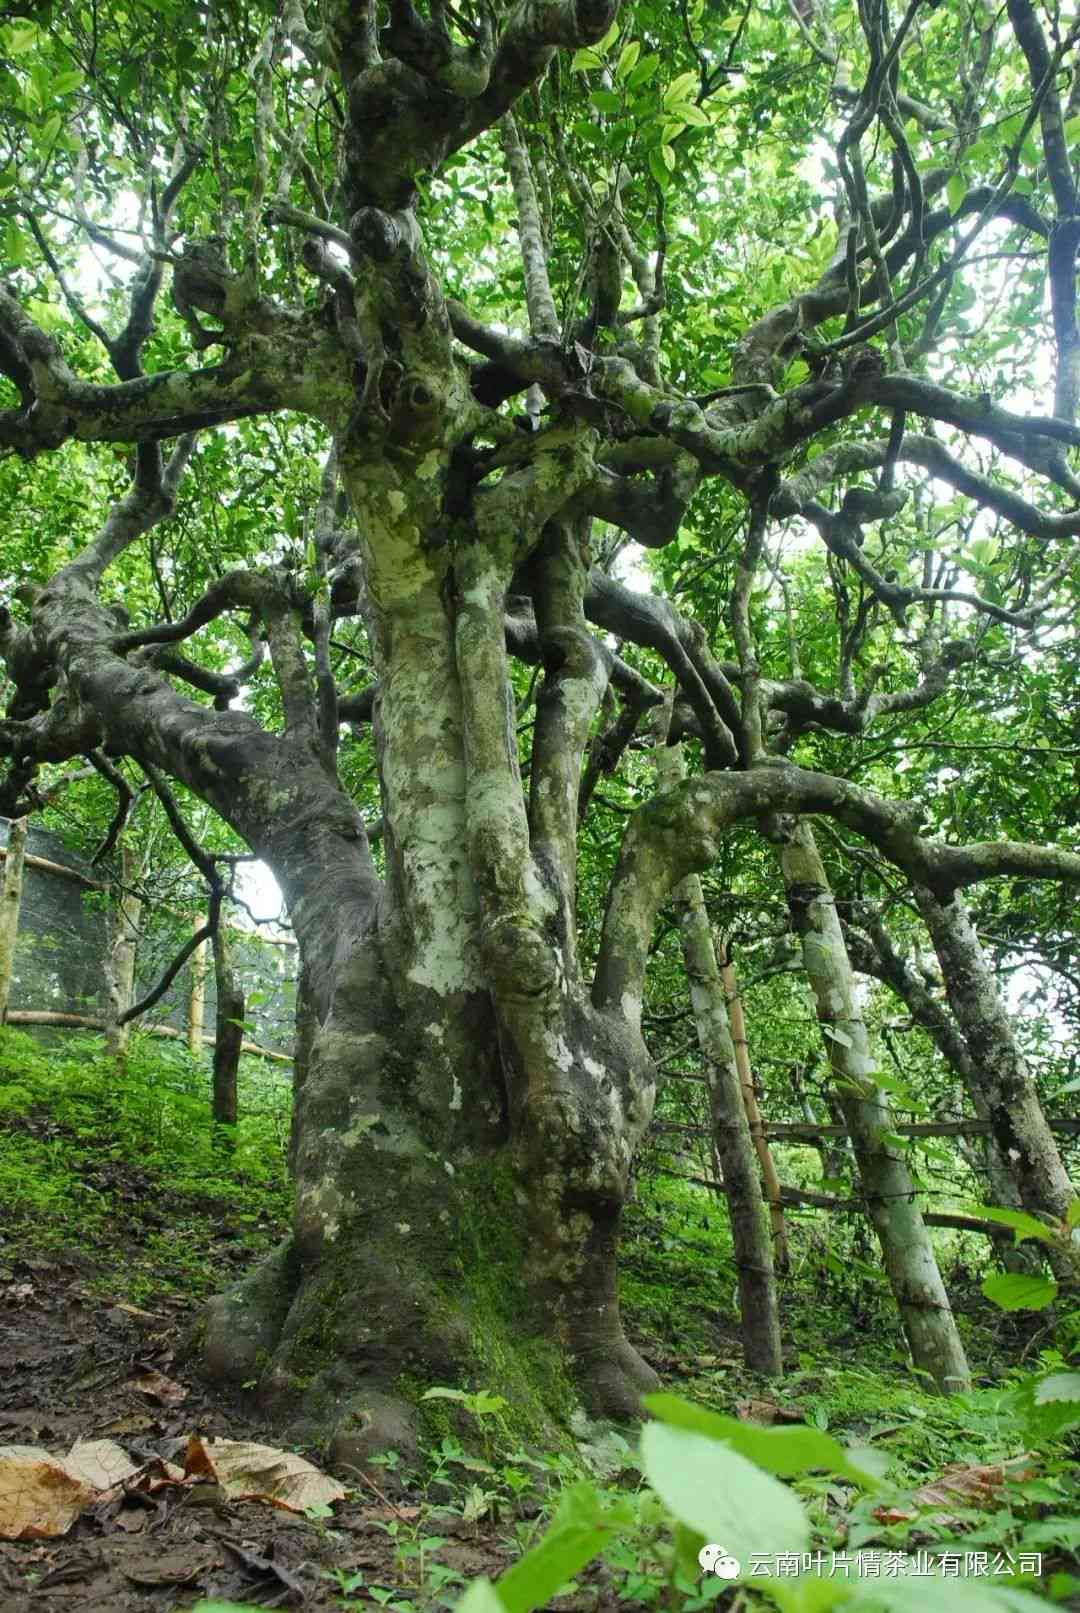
column 1072, row 1214
column 606, row 101
column 579, row 1531
column 901, row 1593
column 836, row 1035
column 1024, row 1225
column 627, row 58
column 1072, row 130
column 784, row 1451
column 692, row 115
column 583, row 61
column 19, row 38
column 718, row 1493
column 1014, row 1292
column 481, row 1597
column 956, row 190
column 643, row 72
column 1058, row 1386
column 681, row 88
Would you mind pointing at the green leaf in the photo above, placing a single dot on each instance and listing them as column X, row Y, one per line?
column 643, row 72
column 585, row 60
column 481, row 1597
column 1058, row 1386
column 1071, row 130
column 658, row 168
column 955, row 191
column 718, row 1493
column 15, row 244
column 606, row 101
column 681, row 88
column 1014, row 1292
column 1072, row 1214
column 690, row 114
column 19, row 38
column 579, row 1530
column 627, row 58
column 668, row 154
column 835, row 1035
column 784, row 1451
column 1024, row 1225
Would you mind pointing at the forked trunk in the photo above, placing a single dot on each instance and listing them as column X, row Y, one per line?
column 465, row 1118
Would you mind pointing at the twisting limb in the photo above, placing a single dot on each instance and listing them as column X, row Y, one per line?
column 652, row 622
column 170, row 972
column 680, row 833
column 125, row 798
column 543, row 319
column 575, row 677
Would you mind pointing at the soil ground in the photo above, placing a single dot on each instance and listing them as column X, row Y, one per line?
column 76, row 1365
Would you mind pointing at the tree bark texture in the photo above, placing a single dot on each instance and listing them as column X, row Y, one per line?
column 998, row 1070
column 228, row 1027
column 886, row 1182
column 741, row 1045
column 10, row 903
column 196, row 1024
column 120, row 951
column 754, row 1249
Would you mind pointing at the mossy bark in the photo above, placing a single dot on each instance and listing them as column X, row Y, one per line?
column 888, row 1189
column 465, row 1117
column 759, row 1312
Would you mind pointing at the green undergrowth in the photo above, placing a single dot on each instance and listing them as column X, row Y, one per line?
column 128, row 1171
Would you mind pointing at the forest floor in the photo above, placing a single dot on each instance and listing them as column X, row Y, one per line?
column 119, row 1213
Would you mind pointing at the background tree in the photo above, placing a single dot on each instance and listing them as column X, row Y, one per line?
column 778, row 279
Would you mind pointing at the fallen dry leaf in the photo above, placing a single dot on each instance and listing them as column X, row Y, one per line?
column 180, row 1567
column 39, row 1498
column 958, row 1484
column 767, row 1412
column 155, row 1385
column 100, row 1464
column 249, row 1472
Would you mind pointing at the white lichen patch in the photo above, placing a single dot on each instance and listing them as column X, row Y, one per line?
column 404, row 1228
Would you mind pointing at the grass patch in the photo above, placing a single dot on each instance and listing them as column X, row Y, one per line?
column 131, row 1169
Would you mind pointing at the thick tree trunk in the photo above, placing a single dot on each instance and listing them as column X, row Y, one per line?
column 997, row 1068
column 886, row 1182
column 466, row 1120
column 228, row 1028
column 121, row 946
column 758, row 1309
column 769, row 1177
column 10, row 903
column 196, row 1024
